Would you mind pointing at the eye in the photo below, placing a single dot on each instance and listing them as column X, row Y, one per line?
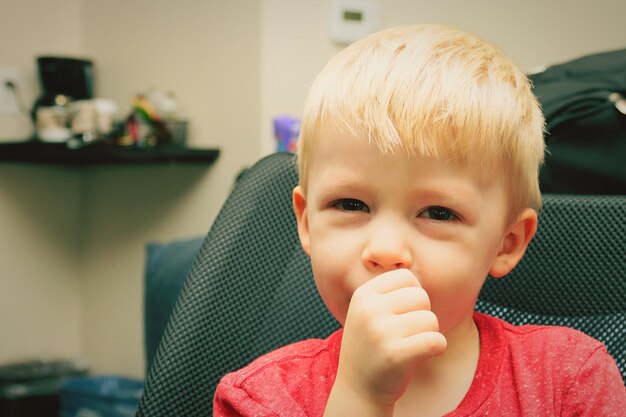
column 349, row 204
column 439, row 213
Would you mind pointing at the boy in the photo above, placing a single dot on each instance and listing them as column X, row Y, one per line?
column 418, row 162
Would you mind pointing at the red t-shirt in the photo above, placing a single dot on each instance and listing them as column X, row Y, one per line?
column 522, row 371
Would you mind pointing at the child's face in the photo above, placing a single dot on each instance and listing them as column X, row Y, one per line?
column 365, row 214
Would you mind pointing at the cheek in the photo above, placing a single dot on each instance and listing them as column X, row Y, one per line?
column 447, row 281
column 329, row 274
column 470, row 253
column 335, row 299
column 333, row 255
column 452, row 266
column 335, row 260
column 453, row 278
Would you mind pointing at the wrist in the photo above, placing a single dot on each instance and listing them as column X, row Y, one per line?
column 345, row 400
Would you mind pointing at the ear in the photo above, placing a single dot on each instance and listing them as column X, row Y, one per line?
column 299, row 208
column 514, row 243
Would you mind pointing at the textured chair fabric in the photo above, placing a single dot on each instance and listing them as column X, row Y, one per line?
column 167, row 266
column 251, row 290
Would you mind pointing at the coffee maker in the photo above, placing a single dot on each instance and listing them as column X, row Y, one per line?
column 63, row 80
column 68, row 77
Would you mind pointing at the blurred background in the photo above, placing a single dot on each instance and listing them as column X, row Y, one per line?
column 72, row 240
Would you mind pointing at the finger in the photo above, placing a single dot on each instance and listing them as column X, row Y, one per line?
column 416, row 322
column 407, row 299
column 392, row 280
column 424, row 345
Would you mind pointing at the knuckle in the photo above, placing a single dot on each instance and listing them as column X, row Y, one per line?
column 402, row 277
column 430, row 320
column 359, row 292
column 433, row 343
column 423, row 298
column 361, row 299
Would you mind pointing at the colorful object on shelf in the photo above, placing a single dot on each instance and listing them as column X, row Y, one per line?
column 286, row 132
column 152, row 122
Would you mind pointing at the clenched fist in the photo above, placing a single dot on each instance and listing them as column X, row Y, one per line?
column 388, row 330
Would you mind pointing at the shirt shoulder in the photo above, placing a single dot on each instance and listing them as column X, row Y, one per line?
column 554, row 336
column 555, row 351
column 547, row 370
column 296, row 378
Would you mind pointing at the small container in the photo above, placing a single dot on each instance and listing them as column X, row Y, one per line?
column 178, row 129
column 100, row 396
column 32, row 388
column 286, row 133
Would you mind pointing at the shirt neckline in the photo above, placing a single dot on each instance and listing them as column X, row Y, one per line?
column 492, row 350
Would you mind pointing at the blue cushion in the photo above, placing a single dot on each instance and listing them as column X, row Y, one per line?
column 167, row 265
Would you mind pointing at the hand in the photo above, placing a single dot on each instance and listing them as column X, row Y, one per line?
column 389, row 329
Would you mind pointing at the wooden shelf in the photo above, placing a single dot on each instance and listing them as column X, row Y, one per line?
column 36, row 152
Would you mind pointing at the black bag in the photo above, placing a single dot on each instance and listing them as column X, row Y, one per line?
column 584, row 103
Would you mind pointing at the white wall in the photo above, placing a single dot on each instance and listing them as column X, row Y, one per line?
column 30, row 28
column 296, row 40
column 207, row 53
column 40, row 207
column 72, row 241
column 40, row 303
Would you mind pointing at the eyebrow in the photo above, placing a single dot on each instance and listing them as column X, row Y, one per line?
column 341, row 184
column 455, row 197
column 457, row 194
column 444, row 192
column 452, row 193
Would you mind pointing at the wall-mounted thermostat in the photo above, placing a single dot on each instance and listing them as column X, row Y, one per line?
column 352, row 20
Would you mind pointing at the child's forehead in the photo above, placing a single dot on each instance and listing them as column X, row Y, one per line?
column 349, row 147
column 426, row 145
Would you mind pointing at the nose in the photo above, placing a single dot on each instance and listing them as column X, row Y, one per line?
column 386, row 249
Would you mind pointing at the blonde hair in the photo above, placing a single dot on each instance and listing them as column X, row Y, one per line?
column 437, row 92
